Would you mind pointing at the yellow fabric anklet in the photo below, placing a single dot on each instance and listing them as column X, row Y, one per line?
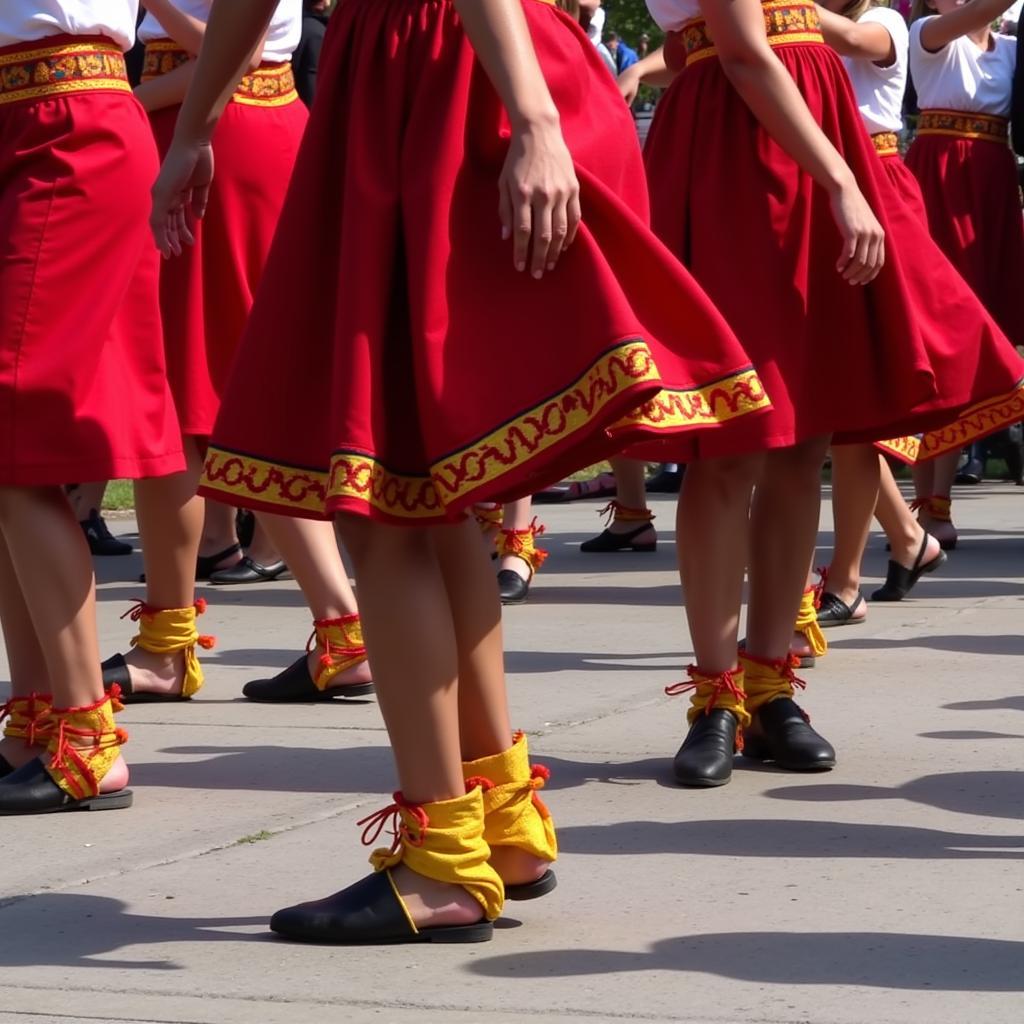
column 807, row 622
column 28, row 718
column 514, row 814
column 342, row 643
column 725, row 691
column 443, row 840
column 84, row 744
column 616, row 512
column 768, row 679
column 170, row 630
column 522, row 544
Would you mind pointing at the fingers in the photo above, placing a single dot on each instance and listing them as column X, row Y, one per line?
column 504, row 210
column 200, row 200
column 863, row 257
column 543, row 234
column 854, row 272
column 575, row 216
column 522, row 227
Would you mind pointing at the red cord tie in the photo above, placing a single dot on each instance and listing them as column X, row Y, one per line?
column 390, row 817
column 478, row 780
column 34, row 712
column 819, row 587
column 539, row 775
column 720, row 684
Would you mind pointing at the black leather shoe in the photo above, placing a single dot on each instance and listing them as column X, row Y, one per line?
column 899, row 580
column 115, row 673
column 512, row 587
column 705, row 758
column 367, row 913
column 609, row 541
column 30, row 790
column 782, row 733
column 248, row 571
column 5, row 767
column 101, row 541
column 295, row 686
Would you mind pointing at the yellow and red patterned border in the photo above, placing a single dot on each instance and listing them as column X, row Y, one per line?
column 886, row 143
column 40, row 72
column 362, row 478
column 977, row 422
column 270, row 85
column 961, row 124
column 785, row 22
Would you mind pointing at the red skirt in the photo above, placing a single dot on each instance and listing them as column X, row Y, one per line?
column 905, row 185
column 421, row 373
column 910, row 352
column 206, row 293
column 973, row 202
column 83, row 387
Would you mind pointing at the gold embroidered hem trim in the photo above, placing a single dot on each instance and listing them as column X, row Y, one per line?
column 41, row 72
column 360, row 476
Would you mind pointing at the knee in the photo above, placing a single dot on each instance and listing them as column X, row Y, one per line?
column 17, row 501
column 367, row 541
column 730, row 476
column 801, row 461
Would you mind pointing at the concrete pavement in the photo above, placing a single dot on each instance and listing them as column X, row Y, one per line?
column 889, row 891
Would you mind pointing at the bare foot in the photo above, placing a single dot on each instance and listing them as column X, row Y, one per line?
column 155, row 673
column 906, row 553
column 117, row 778
column 434, row 904
column 800, row 646
column 849, row 595
column 515, row 866
column 350, row 677
column 17, row 752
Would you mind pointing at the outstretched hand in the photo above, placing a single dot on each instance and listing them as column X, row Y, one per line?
column 539, row 198
column 180, row 195
column 863, row 252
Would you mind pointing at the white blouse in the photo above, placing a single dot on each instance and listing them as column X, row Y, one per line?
column 962, row 76
column 880, row 91
column 27, row 21
column 282, row 38
column 671, row 14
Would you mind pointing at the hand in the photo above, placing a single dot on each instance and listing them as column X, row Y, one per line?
column 181, row 193
column 863, row 254
column 539, row 197
column 629, row 84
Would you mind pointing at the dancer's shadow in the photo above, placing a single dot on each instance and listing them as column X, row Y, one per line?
column 970, row 734
column 989, row 794
column 1013, row 703
column 785, row 839
column 986, row 645
column 74, row 930
column 876, row 959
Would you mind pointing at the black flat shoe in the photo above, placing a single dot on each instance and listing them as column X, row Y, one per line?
column 5, row 767
column 512, row 588
column 532, row 890
column 248, row 571
column 115, row 673
column 367, row 913
column 834, row 611
column 784, row 736
column 609, row 541
column 207, row 564
column 899, row 580
column 101, row 541
column 30, row 790
column 705, row 758
column 295, row 686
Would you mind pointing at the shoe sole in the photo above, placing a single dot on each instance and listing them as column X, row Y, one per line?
column 532, row 890
column 336, row 696
column 701, row 783
column 104, row 802
column 453, row 935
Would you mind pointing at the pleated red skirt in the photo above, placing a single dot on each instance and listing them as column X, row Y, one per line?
column 973, row 202
column 414, row 372
column 206, row 293
column 83, row 386
column 905, row 185
column 912, row 351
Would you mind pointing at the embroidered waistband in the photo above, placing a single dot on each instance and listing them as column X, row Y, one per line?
column 964, row 125
column 886, row 143
column 36, row 72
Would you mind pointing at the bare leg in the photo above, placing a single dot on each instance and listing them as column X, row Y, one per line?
column 904, row 532
column 411, row 636
column 935, row 479
column 714, row 513
column 518, row 516
column 784, row 528
column 263, row 549
column 311, row 550
column 85, row 498
column 53, row 569
column 29, row 673
column 218, row 533
column 855, row 483
column 170, row 523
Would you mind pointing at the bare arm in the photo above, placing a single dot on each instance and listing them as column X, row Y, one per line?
column 166, row 90
column 652, row 70
column 961, row 21
column 737, row 27
column 185, row 30
column 868, row 40
column 538, row 190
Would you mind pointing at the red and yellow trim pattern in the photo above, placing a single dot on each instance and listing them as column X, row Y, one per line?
column 962, row 125
column 886, row 143
column 39, row 72
column 977, row 422
column 359, row 477
column 270, row 85
column 785, row 22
